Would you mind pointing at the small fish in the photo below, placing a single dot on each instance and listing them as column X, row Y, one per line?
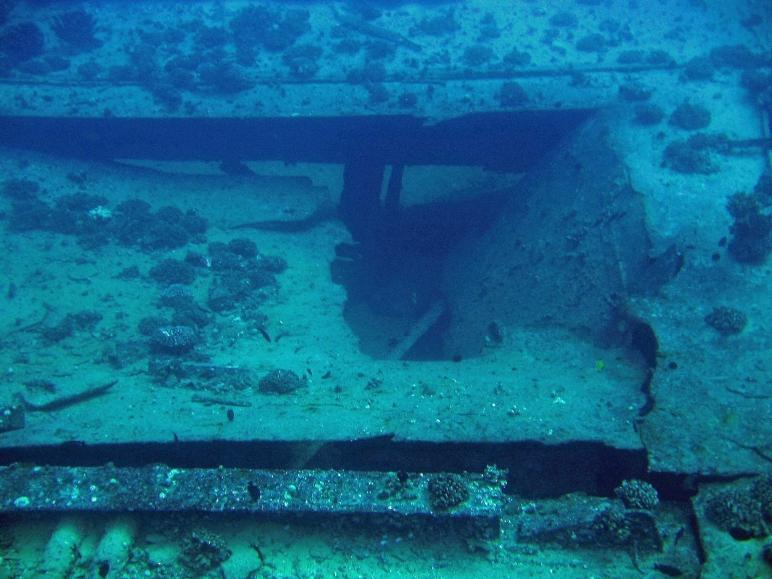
column 264, row 333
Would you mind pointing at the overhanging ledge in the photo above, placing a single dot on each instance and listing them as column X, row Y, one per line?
column 504, row 140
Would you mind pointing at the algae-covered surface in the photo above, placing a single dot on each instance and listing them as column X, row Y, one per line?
column 544, row 385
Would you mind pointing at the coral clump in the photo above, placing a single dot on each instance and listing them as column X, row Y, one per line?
column 173, row 339
column 762, row 490
column 636, row 528
column 203, row 551
column 743, row 511
column 512, row 95
column 280, row 382
column 638, row 494
column 77, row 28
column 648, row 114
column 699, row 68
column 173, row 271
column 611, row 527
column 446, row 491
column 726, row 321
column 20, row 189
column 693, row 156
column 634, row 91
column 275, row 30
column 690, row 117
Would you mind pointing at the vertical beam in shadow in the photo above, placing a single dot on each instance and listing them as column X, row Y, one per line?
column 394, row 190
column 360, row 201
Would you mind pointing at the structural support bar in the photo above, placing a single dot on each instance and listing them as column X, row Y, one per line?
column 160, row 488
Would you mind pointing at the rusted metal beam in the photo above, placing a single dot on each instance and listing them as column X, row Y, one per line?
column 26, row 488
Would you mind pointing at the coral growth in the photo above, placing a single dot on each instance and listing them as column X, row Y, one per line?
column 735, row 56
column 594, row 42
column 88, row 217
column 512, row 95
column 611, row 526
column 692, row 156
column 634, row 91
column 81, row 321
column 204, row 551
column 77, row 28
column 699, row 68
column 240, row 270
column 439, row 25
column 516, row 58
column 744, row 510
column 20, row 189
column 690, row 117
column 173, row 271
column 280, row 381
column 446, row 491
column 134, row 224
column 173, row 339
column 302, row 60
column 275, row 30
column 648, row 114
column 477, row 55
column 634, row 528
column 726, row 321
column 637, row 494
column 224, row 77
column 21, row 42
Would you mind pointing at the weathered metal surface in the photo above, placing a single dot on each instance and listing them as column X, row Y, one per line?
column 729, row 432
column 566, row 249
column 577, row 521
column 658, row 542
column 12, row 417
column 164, row 489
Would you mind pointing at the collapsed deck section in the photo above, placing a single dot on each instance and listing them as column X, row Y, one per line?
column 302, row 253
column 394, row 313
column 562, row 354
column 294, row 370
